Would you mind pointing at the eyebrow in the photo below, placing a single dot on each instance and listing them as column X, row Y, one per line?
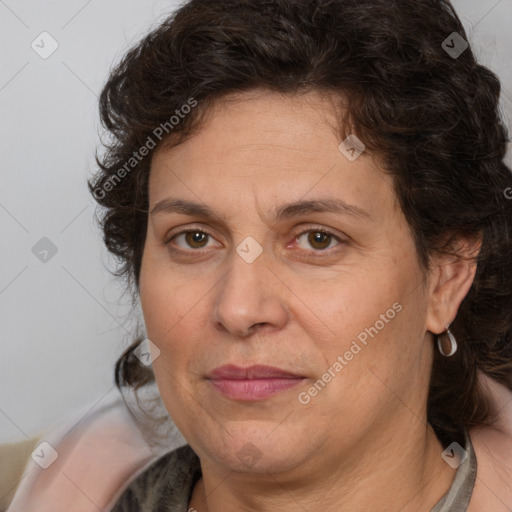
column 286, row 211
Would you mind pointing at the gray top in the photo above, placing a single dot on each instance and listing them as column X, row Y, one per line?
column 166, row 486
column 459, row 494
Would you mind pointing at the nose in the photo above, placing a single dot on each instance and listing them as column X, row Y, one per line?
column 250, row 298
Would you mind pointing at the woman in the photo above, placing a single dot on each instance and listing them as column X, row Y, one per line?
column 309, row 199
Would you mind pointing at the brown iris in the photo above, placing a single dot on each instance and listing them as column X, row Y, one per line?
column 194, row 237
column 316, row 237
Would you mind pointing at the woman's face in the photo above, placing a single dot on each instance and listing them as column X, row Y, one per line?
column 346, row 313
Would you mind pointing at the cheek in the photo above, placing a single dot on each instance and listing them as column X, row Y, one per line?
column 374, row 321
column 169, row 305
column 343, row 309
column 170, row 309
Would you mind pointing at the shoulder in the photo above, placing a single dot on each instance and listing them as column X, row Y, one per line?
column 81, row 463
column 166, row 485
column 493, row 449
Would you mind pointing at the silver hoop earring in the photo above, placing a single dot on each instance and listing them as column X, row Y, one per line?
column 447, row 338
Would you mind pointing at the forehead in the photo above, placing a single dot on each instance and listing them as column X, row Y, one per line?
column 270, row 146
column 266, row 123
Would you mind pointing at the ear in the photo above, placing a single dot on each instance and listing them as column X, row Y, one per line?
column 450, row 279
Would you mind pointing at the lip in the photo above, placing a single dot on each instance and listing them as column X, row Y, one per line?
column 257, row 371
column 253, row 383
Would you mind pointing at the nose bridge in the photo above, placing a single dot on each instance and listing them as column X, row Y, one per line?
column 248, row 295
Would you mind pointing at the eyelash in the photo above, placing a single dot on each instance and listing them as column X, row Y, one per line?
column 314, row 229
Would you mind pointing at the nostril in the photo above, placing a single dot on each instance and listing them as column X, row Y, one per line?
column 258, row 327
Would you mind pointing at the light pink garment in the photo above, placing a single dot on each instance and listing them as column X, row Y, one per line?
column 96, row 461
column 493, row 449
column 105, row 451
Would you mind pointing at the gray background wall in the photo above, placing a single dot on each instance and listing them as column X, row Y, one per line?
column 63, row 322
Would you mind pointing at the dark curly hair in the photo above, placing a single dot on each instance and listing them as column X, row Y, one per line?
column 431, row 117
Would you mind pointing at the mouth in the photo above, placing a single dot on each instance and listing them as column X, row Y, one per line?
column 252, row 383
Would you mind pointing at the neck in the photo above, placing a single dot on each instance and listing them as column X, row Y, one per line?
column 399, row 471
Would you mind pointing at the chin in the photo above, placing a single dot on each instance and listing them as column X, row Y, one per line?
column 257, row 449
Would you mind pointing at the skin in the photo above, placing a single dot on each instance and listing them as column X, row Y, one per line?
column 363, row 442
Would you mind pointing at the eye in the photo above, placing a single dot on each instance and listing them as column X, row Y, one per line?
column 319, row 239
column 193, row 238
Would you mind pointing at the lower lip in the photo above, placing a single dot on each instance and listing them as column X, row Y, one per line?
column 253, row 389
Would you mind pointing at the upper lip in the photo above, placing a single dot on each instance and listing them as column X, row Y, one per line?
column 230, row 371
